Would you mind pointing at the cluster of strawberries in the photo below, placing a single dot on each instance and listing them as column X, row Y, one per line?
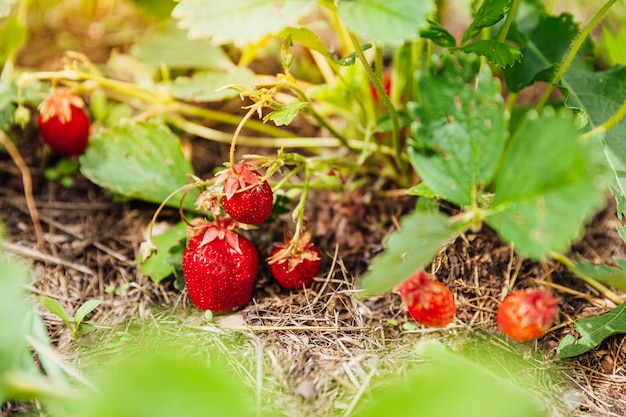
column 220, row 265
column 523, row 315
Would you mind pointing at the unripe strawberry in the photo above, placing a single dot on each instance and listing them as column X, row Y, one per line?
column 527, row 314
column 429, row 302
column 63, row 123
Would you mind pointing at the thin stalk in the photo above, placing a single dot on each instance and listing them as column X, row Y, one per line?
column 395, row 124
column 606, row 126
column 253, row 109
column 576, row 45
column 607, row 293
column 509, row 20
column 300, row 207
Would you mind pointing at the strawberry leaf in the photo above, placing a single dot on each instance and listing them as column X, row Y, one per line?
column 544, row 41
column 438, row 34
column 599, row 95
column 306, row 37
column 593, row 331
column 489, row 13
column 170, row 246
column 202, row 86
column 285, row 114
column 457, row 146
column 615, row 276
column 141, row 160
column 386, row 21
column 499, row 53
column 410, row 249
column 546, row 212
column 238, row 21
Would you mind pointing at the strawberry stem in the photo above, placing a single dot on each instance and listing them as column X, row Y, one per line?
column 252, row 109
column 299, row 211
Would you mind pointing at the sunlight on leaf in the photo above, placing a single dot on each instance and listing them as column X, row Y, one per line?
column 420, row 236
column 593, row 331
column 386, row 21
column 238, row 21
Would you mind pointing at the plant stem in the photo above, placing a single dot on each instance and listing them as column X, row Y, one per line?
column 569, row 264
column 606, row 126
column 300, row 207
column 393, row 113
column 254, row 108
column 509, row 20
column 575, row 47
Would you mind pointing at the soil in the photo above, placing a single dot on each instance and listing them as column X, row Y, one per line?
column 321, row 343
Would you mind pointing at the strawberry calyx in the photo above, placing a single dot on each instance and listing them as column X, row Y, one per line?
column 59, row 104
column 294, row 252
column 223, row 230
column 239, row 178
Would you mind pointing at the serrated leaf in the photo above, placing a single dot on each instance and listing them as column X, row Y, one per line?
column 461, row 131
column 548, row 39
column 306, row 37
column 172, row 48
column 239, row 21
column 285, row 114
column 593, row 331
column 169, row 245
column 600, row 95
column 439, row 35
column 489, row 13
column 410, row 249
column 56, row 308
column 202, row 86
column 548, row 187
column 611, row 275
column 85, row 308
column 499, row 53
column 141, row 160
column 386, row 21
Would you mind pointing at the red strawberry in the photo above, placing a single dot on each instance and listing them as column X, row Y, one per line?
column 526, row 315
column 220, row 267
column 63, row 123
column 429, row 302
column 254, row 204
column 295, row 267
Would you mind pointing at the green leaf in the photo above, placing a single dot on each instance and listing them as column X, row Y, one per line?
column 202, row 86
column 56, row 308
column 285, row 114
column 600, row 95
column 169, row 245
column 86, row 308
column 386, row 21
column 306, row 37
column 15, row 317
column 593, row 331
column 141, row 160
column 499, row 53
column 461, row 131
column 549, row 185
column 611, row 275
column 489, row 13
column 239, row 21
column 448, row 384
column 439, row 35
column 172, row 48
column 166, row 381
column 615, row 46
column 410, row 249
column 547, row 41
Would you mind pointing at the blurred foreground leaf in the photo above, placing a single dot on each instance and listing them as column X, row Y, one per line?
column 140, row 160
column 593, row 331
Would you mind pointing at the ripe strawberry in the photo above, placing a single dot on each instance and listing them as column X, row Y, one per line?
column 295, row 267
column 63, row 123
column 254, row 204
column 526, row 315
column 429, row 302
column 220, row 267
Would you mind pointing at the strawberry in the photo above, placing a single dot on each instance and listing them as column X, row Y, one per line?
column 295, row 267
column 219, row 267
column 526, row 315
column 429, row 301
column 63, row 123
column 254, row 204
